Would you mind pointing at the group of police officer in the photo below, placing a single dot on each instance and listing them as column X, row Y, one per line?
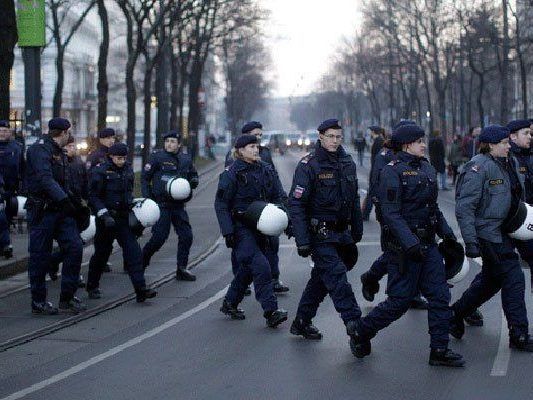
column 65, row 197
column 324, row 214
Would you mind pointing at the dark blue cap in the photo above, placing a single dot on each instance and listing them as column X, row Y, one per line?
column 250, row 126
column 4, row 123
column 407, row 133
column 245, row 140
column 59, row 123
column 494, row 134
column 518, row 124
column 331, row 123
column 403, row 122
column 106, row 132
column 375, row 128
column 172, row 134
column 118, row 149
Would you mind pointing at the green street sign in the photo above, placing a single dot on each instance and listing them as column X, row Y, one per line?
column 31, row 23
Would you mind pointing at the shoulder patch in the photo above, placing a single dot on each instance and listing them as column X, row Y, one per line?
column 298, row 191
column 476, row 168
column 148, row 167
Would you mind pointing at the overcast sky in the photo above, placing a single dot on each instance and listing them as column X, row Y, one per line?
column 303, row 34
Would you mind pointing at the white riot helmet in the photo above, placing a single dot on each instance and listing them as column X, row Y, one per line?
column 267, row 218
column 144, row 212
column 21, row 203
column 456, row 264
column 15, row 206
column 520, row 225
column 89, row 232
column 178, row 188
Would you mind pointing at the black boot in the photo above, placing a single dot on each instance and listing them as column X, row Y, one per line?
column 445, row 358
column 279, row 287
column 370, row 286
column 143, row 294
column 94, row 294
column 474, row 319
column 233, row 311
column 274, row 318
column 457, row 326
column 303, row 328
column 183, row 274
column 359, row 346
column 43, row 308
column 521, row 343
column 72, row 306
column 8, row 252
column 418, row 303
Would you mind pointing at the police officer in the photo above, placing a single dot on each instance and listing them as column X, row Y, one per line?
column 162, row 167
column 520, row 139
column 11, row 172
column 51, row 216
column 271, row 251
column 370, row 279
column 106, row 138
column 111, row 198
column 410, row 218
column 488, row 191
column 77, row 176
column 246, row 180
column 327, row 224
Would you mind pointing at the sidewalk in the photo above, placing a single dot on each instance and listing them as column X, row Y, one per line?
column 19, row 325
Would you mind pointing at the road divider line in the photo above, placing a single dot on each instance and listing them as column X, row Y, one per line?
column 115, row 350
column 501, row 362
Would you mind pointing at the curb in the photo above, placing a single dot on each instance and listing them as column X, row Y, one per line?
column 20, row 265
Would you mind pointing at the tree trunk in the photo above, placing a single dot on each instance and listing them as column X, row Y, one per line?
column 481, row 110
column 58, row 94
column 103, row 85
column 147, row 113
column 504, row 106
column 174, row 92
column 131, row 97
column 8, row 33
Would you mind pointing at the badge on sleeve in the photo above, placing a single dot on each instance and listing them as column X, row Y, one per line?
column 475, row 168
column 147, row 167
column 298, row 192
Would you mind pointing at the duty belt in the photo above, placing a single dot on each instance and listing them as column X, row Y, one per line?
column 321, row 226
column 425, row 235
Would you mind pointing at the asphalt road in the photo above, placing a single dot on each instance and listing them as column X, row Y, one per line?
column 181, row 347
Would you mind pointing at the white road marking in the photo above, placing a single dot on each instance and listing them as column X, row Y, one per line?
column 115, row 350
column 501, row 362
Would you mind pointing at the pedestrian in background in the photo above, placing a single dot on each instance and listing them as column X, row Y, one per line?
column 437, row 154
column 455, row 157
column 360, row 145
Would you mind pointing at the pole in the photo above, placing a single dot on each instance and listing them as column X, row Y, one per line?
column 32, row 89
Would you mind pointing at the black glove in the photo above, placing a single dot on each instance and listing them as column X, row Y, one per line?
column 138, row 230
column 289, row 231
column 472, row 250
column 415, row 253
column 108, row 221
column 304, row 251
column 357, row 237
column 230, row 240
column 450, row 237
column 67, row 207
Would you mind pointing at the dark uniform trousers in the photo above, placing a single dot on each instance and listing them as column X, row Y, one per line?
column 103, row 246
column 270, row 251
column 429, row 278
column 177, row 216
column 249, row 252
column 505, row 275
column 328, row 276
column 53, row 225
